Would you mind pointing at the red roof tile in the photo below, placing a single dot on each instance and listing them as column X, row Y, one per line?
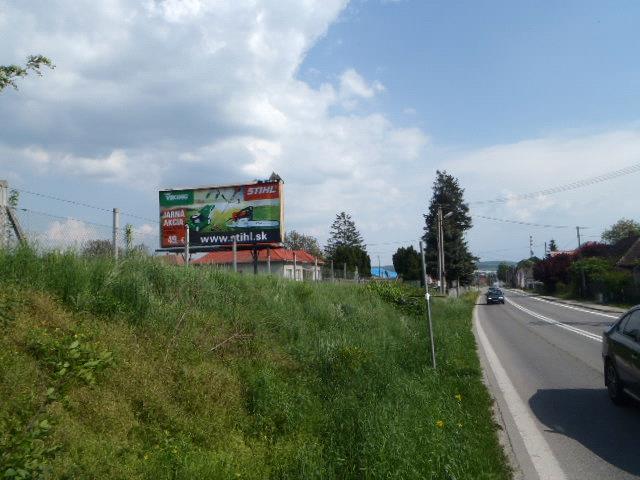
column 244, row 256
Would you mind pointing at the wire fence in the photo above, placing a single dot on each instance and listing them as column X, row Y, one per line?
column 46, row 231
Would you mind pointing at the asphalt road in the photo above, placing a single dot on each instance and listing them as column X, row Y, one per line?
column 556, row 374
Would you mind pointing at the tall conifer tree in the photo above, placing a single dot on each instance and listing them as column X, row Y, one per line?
column 459, row 262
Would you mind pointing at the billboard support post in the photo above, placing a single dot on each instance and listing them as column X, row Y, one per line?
column 116, row 227
column 254, row 256
column 235, row 254
column 186, row 245
column 427, row 298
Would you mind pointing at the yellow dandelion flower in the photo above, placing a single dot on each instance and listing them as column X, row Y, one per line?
column 440, row 424
column 459, row 397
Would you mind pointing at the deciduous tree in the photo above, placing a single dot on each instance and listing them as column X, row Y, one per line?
column 407, row 264
column 299, row 241
column 623, row 228
column 10, row 73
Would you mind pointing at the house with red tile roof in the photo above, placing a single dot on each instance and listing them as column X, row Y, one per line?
column 286, row 263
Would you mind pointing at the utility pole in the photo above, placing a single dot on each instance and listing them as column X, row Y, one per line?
column 545, row 249
column 530, row 246
column 578, row 233
column 583, row 278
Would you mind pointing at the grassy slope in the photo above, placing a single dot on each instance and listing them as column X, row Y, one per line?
column 153, row 371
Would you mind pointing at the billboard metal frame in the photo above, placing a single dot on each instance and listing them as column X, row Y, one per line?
column 241, row 244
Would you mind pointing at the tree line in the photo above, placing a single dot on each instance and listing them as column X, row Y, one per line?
column 345, row 243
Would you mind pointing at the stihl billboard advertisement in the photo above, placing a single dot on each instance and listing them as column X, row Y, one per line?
column 252, row 214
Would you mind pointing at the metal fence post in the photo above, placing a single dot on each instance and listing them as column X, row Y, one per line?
column 186, row 245
column 333, row 277
column 116, row 227
column 427, row 297
column 345, row 270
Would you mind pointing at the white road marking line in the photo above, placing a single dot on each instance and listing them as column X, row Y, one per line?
column 543, row 459
column 579, row 331
column 564, row 305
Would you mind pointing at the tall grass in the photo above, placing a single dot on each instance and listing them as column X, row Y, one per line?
column 206, row 374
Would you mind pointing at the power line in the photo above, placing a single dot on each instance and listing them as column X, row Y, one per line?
column 82, row 204
column 518, row 222
column 567, row 187
column 61, row 217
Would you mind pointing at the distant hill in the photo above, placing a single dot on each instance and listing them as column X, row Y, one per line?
column 492, row 265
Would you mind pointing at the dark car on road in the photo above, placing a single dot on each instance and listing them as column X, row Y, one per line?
column 621, row 354
column 495, row 295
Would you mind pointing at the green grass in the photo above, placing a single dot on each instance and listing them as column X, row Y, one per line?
column 149, row 371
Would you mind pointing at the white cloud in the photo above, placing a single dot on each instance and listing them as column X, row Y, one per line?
column 507, row 170
column 70, row 233
column 353, row 85
column 178, row 93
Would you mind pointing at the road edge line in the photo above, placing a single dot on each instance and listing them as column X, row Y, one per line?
column 544, row 461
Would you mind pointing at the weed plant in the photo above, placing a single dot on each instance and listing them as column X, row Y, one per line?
column 141, row 370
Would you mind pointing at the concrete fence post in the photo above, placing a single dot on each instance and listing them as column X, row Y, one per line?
column 269, row 261
column 116, row 227
column 234, row 248
column 295, row 266
column 186, row 245
column 4, row 203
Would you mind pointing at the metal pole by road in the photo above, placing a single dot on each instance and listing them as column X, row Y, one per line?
column 428, row 301
column 116, row 227
column 439, row 237
column 234, row 248
column 186, row 245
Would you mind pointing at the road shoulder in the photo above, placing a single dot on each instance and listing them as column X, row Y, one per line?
column 528, row 453
column 575, row 303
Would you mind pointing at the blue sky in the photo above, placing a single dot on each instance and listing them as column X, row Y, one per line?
column 479, row 73
column 355, row 104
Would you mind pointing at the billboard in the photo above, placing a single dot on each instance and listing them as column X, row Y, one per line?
column 250, row 213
